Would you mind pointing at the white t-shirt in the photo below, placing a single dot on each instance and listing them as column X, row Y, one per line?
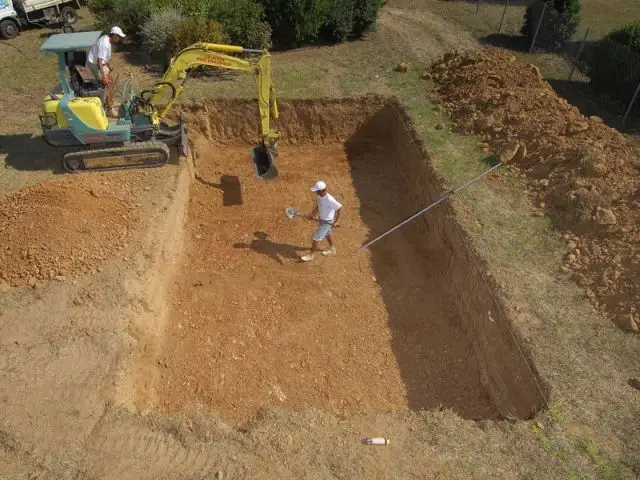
column 327, row 207
column 101, row 49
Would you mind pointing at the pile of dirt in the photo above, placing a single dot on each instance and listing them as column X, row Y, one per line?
column 58, row 230
column 584, row 174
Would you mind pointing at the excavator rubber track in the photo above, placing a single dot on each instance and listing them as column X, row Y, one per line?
column 136, row 155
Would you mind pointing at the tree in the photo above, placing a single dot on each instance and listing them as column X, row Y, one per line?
column 559, row 24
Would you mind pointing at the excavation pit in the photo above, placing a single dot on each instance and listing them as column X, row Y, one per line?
column 409, row 324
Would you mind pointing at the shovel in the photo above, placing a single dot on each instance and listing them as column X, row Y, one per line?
column 292, row 213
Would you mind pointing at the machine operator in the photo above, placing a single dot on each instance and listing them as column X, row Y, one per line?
column 98, row 63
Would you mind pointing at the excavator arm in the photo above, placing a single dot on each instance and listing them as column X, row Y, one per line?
column 216, row 55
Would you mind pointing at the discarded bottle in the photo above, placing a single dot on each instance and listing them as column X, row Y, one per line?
column 377, row 441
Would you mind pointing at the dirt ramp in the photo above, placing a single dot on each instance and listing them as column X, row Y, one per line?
column 585, row 175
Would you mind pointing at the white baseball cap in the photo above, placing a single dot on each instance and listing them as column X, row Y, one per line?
column 319, row 186
column 117, row 31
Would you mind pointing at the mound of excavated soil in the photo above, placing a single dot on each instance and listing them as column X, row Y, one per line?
column 584, row 174
column 59, row 230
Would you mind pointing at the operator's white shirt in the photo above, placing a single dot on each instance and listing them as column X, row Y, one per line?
column 327, row 207
column 101, row 49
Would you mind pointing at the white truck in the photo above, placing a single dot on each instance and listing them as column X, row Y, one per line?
column 18, row 14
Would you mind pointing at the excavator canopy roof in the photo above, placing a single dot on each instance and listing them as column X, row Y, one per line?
column 64, row 42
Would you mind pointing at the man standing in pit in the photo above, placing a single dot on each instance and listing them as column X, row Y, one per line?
column 327, row 213
column 98, row 63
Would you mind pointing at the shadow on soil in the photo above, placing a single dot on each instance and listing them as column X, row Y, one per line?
column 516, row 43
column 450, row 352
column 590, row 102
column 431, row 347
column 230, row 186
column 275, row 251
column 29, row 153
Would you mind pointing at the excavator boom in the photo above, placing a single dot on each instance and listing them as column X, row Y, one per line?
column 216, row 55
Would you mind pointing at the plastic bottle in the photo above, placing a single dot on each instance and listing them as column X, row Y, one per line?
column 377, row 441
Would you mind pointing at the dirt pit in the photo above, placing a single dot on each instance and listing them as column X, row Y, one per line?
column 406, row 325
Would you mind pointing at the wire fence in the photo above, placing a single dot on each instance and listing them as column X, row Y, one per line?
column 586, row 58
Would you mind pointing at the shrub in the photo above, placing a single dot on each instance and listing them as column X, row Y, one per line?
column 366, row 15
column 628, row 35
column 560, row 22
column 300, row 22
column 157, row 33
column 614, row 66
column 297, row 22
column 197, row 29
column 127, row 14
column 243, row 20
column 340, row 21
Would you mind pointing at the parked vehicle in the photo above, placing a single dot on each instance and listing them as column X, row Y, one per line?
column 16, row 15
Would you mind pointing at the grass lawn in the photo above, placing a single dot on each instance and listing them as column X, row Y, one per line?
column 590, row 427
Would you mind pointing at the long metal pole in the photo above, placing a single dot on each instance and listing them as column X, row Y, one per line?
column 430, row 206
column 633, row 100
column 575, row 61
column 535, row 35
column 504, row 12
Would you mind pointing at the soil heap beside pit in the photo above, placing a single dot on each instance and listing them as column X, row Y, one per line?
column 584, row 174
column 63, row 229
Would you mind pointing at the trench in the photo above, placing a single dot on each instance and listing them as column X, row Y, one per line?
column 409, row 324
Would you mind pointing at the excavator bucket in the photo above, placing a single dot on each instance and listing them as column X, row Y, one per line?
column 264, row 162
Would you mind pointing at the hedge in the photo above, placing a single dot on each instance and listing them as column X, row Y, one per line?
column 243, row 20
column 615, row 65
column 302, row 22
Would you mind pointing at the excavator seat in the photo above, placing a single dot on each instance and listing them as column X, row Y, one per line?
column 81, row 79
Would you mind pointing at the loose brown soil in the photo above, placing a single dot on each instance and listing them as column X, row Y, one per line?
column 584, row 175
column 252, row 328
column 66, row 228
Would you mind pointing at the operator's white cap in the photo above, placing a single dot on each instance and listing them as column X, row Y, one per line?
column 319, row 186
column 117, row 31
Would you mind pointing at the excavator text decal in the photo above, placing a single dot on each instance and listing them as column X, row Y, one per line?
column 214, row 60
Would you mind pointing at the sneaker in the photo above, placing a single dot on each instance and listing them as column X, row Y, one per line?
column 306, row 258
column 330, row 251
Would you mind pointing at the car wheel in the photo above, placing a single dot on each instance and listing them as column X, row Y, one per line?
column 9, row 29
column 69, row 15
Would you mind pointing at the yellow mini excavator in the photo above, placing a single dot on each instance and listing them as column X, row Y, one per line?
column 74, row 114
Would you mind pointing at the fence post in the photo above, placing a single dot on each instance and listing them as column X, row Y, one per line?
column 633, row 100
column 535, row 35
column 575, row 62
column 504, row 12
column 477, row 6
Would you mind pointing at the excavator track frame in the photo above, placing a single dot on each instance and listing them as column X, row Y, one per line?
column 135, row 155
